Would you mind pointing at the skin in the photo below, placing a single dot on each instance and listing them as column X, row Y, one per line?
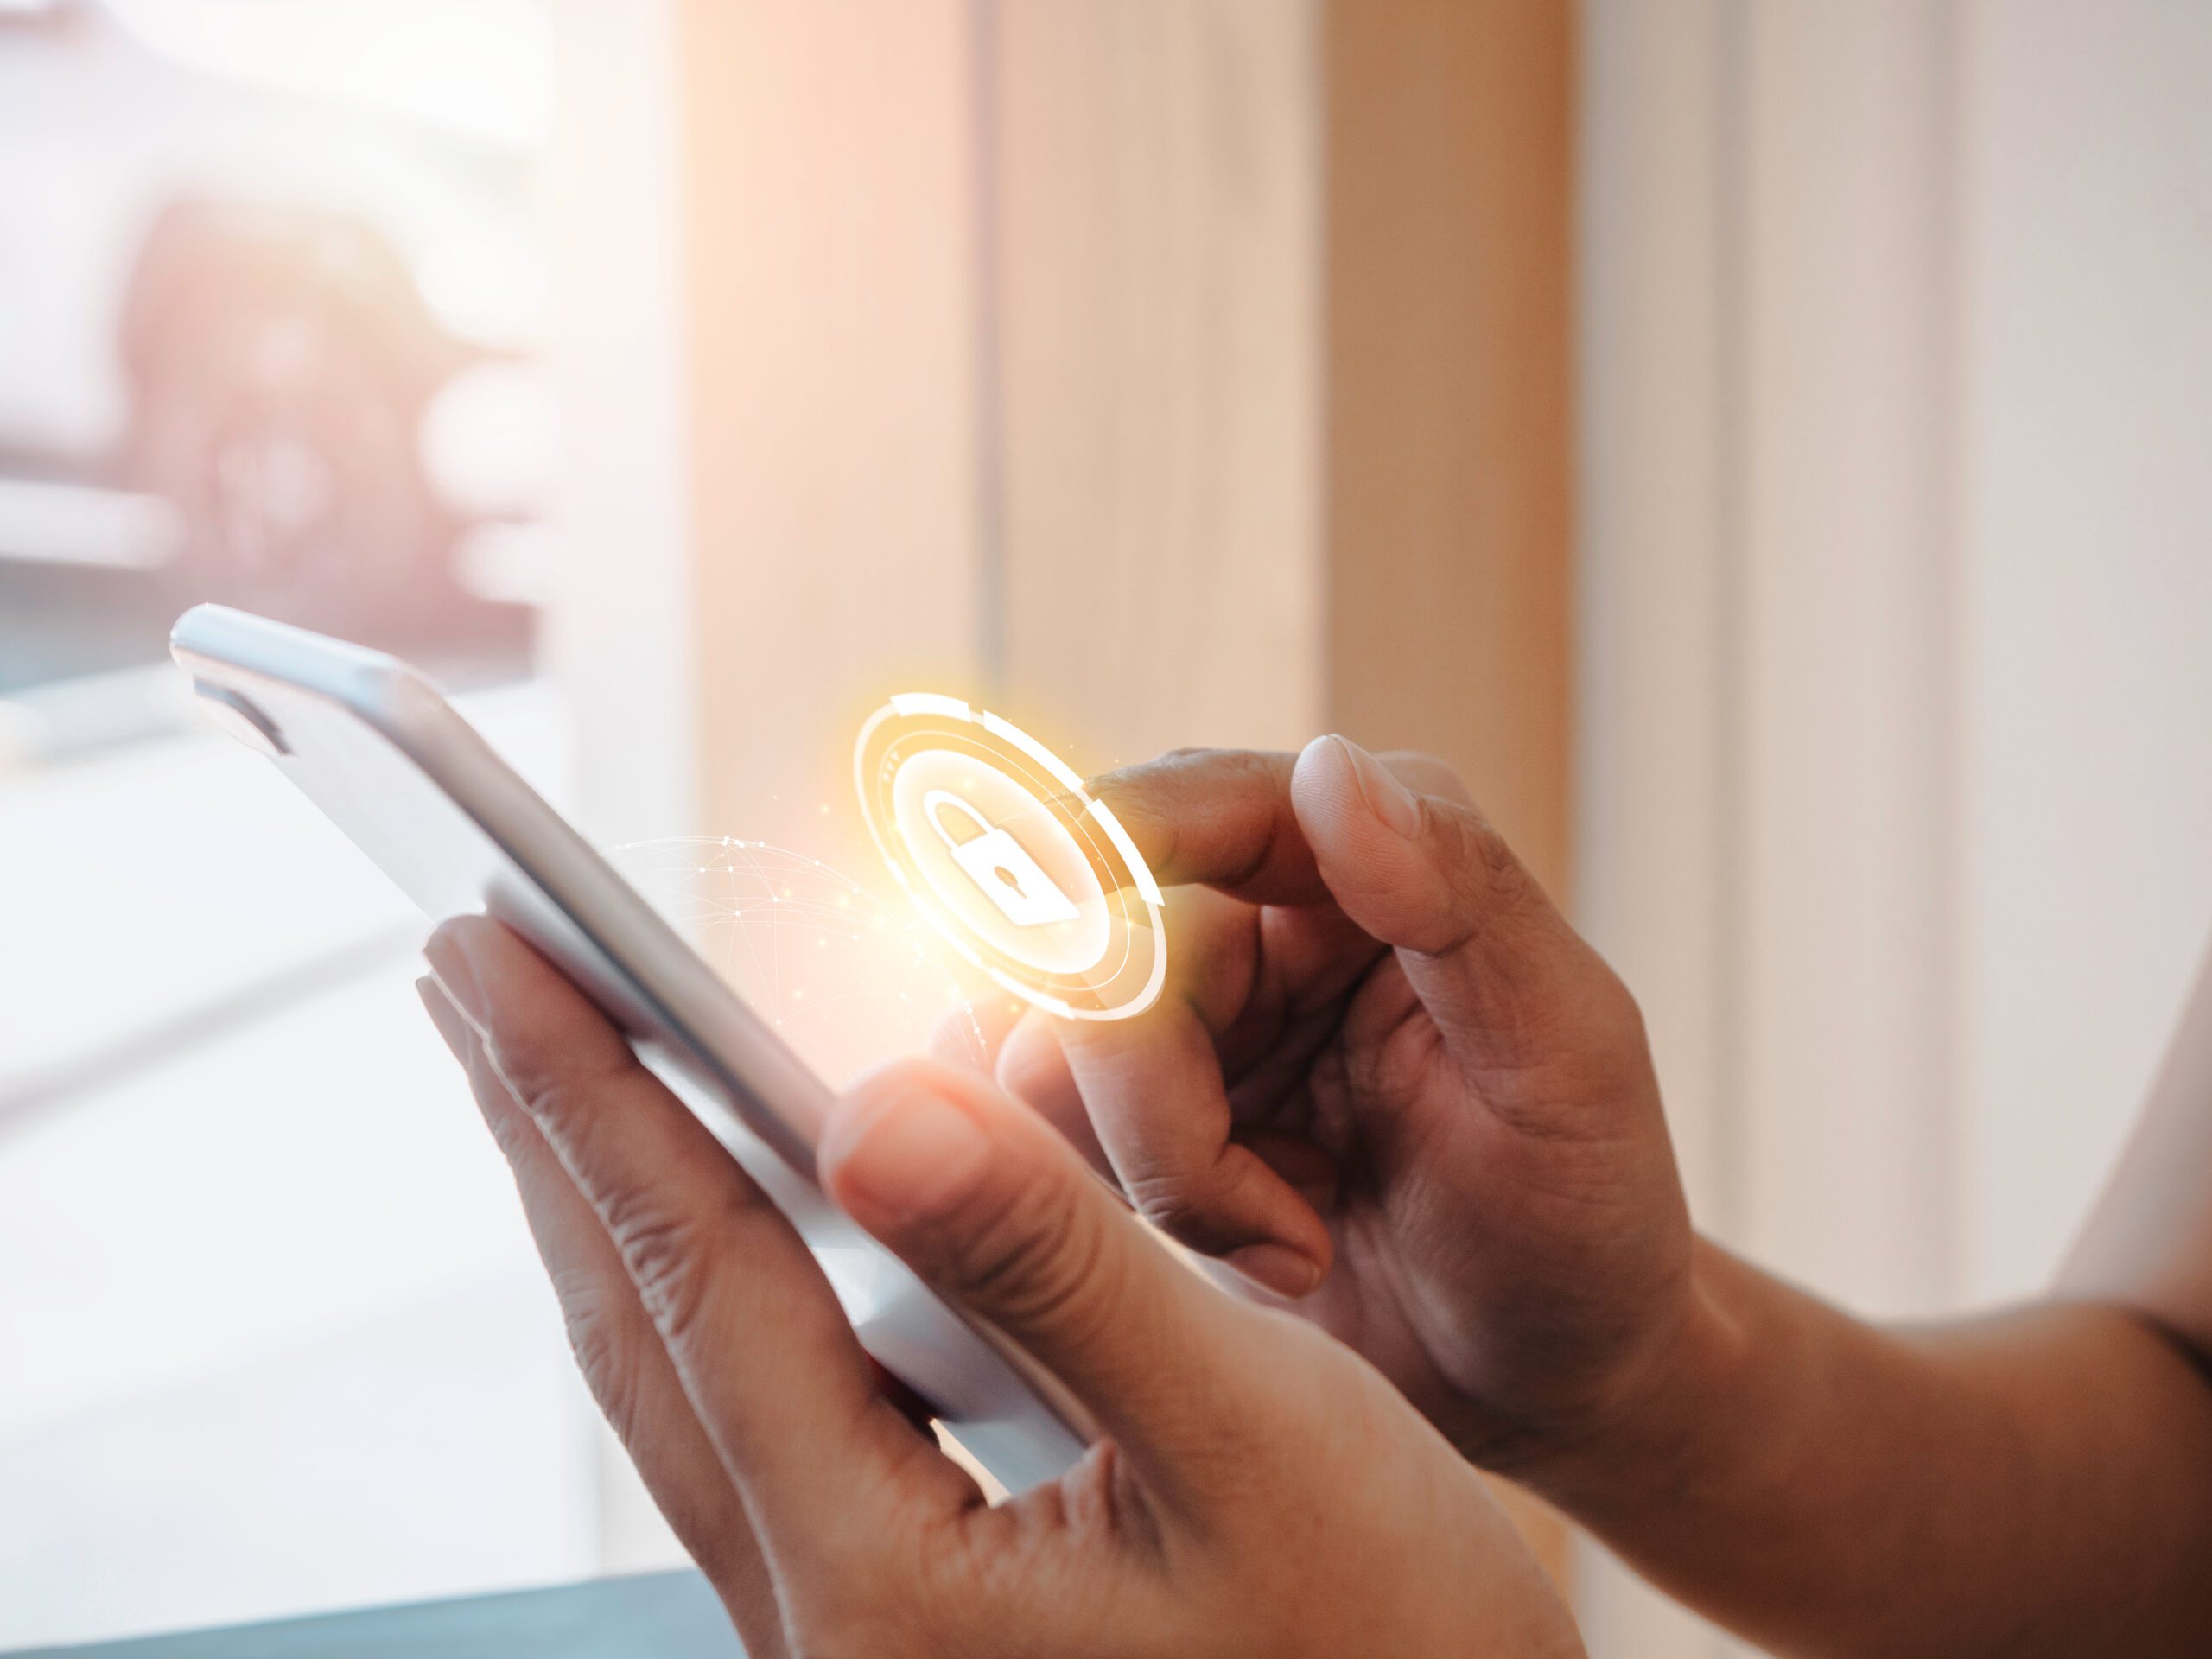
column 1396, row 1093
column 1259, row 1490
column 1400, row 1102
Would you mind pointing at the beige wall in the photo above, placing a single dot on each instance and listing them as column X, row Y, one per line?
column 1894, row 695
column 2085, row 617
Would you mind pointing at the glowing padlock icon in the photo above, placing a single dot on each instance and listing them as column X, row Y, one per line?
column 999, row 865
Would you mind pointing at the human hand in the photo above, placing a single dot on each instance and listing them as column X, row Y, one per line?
column 1389, row 1083
column 1259, row 1489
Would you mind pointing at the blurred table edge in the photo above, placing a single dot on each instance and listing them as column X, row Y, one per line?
column 669, row 1615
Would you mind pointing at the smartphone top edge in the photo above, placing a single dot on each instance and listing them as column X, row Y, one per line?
column 379, row 686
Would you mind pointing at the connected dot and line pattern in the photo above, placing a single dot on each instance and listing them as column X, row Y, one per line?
column 844, row 977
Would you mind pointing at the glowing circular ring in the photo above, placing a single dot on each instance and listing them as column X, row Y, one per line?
column 955, row 797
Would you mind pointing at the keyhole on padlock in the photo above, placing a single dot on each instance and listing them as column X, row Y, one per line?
column 1008, row 877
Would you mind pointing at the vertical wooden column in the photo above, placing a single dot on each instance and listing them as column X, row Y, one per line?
column 1450, row 193
column 1449, row 456
column 1160, row 288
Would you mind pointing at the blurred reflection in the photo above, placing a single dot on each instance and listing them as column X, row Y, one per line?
column 272, row 289
column 269, row 293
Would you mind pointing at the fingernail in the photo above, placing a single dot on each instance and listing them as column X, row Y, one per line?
column 449, row 966
column 444, row 1016
column 1279, row 1268
column 1388, row 799
column 913, row 1155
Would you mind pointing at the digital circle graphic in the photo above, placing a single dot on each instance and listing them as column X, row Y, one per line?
column 1004, row 851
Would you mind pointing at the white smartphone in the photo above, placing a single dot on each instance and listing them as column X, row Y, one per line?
column 375, row 745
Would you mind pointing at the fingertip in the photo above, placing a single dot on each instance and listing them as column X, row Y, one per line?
column 459, row 935
column 1320, row 758
column 458, row 952
column 1278, row 1268
column 1329, row 810
column 900, row 1145
column 444, row 1015
column 1324, row 792
column 1032, row 1061
column 448, row 966
column 1348, row 778
column 1132, row 794
column 888, row 1081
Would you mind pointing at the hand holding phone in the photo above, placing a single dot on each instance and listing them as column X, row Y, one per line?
column 374, row 744
column 1258, row 1489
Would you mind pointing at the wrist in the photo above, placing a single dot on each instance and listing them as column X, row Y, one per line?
column 1662, row 1424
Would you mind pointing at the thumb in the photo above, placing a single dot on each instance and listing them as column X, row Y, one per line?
column 994, row 1211
column 1476, row 934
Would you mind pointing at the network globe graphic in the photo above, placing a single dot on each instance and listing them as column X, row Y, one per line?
column 843, row 977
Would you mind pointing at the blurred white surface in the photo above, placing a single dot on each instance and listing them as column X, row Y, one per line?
column 1895, row 693
column 275, row 1339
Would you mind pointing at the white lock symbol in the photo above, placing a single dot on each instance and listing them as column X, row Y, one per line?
column 999, row 865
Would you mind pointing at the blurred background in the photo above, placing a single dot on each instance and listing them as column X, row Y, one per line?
column 1762, row 444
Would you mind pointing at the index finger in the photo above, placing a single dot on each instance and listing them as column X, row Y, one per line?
column 1216, row 818
column 1222, row 818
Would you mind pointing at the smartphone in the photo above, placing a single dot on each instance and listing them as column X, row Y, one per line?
column 375, row 745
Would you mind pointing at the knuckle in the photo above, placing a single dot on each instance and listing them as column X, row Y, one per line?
column 1488, row 849
column 594, row 1326
column 663, row 1250
column 1182, row 1203
column 503, row 1115
column 1614, row 999
column 1485, row 862
column 1034, row 1256
column 556, row 1087
column 531, row 1069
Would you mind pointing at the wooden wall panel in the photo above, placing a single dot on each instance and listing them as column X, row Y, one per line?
column 1159, row 214
column 1450, row 189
